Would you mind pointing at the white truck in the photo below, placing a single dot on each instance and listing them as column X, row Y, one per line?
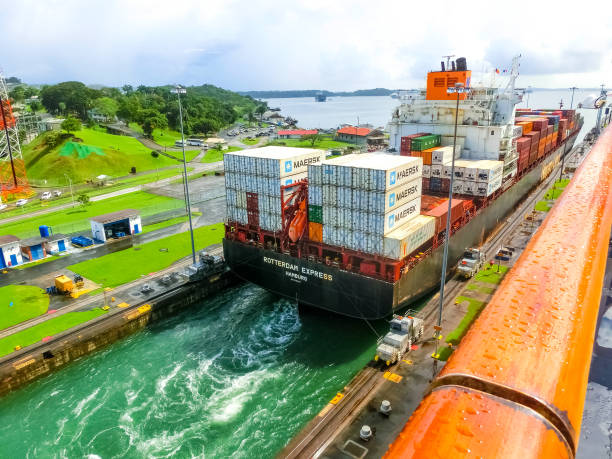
column 473, row 260
column 404, row 332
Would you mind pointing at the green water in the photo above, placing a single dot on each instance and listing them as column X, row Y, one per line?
column 236, row 376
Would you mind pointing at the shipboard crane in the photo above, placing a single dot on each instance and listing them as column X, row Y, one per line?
column 507, row 99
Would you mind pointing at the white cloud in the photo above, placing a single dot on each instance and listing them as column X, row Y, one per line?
column 307, row 44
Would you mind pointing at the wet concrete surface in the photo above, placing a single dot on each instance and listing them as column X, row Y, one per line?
column 596, row 432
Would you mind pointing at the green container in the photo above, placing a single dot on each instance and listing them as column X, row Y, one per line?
column 425, row 142
column 315, row 214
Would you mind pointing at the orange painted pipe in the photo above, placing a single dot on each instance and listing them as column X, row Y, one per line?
column 532, row 344
column 460, row 422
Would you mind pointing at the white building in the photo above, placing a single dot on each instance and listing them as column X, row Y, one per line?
column 56, row 243
column 116, row 224
column 10, row 251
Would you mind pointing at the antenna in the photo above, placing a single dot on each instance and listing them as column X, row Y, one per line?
column 448, row 58
column 561, row 104
column 573, row 88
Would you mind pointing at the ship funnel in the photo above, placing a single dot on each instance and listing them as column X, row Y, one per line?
column 453, row 65
column 461, row 64
column 442, row 64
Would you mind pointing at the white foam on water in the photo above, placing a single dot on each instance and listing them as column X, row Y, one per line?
column 79, row 408
column 163, row 381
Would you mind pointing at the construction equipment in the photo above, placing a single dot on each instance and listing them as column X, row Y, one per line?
column 404, row 332
column 66, row 286
column 473, row 260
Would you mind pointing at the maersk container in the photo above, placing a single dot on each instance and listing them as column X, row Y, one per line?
column 291, row 179
column 315, row 194
column 379, row 172
column 277, row 162
column 379, row 202
column 400, row 215
column 405, row 240
column 374, row 244
column 329, row 169
column 329, row 195
column 315, row 174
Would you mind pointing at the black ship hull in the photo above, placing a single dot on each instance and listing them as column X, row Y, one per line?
column 359, row 296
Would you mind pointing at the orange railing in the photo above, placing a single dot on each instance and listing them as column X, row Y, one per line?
column 516, row 385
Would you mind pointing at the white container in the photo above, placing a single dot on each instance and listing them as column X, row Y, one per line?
column 488, row 188
column 471, row 170
column 487, row 170
column 436, row 170
column 446, row 171
column 396, row 217
column 426, row 170
column 379, row 172
column 291, row 179
column 379, row 202
column 275, row 161
column 458, row 186
column 330, row 171
column 315, row 174
column 442, row 155
column 409, row 237
column 469, row 187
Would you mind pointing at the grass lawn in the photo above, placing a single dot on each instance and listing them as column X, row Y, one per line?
column 490, row 275
column 37, row 204
column 473, row 310
column 76, row 219
column 170, row 222
column 37, row 262
column 164, row 137
column 542, row 206
column 246, row 141
column 325, row 144
column 143, row 259
column 118, row 155
column 48, row 328
column 213, row 155
column 445, row 353
column 480, row 288
column 28, row 302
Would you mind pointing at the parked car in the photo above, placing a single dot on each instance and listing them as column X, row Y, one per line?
column 2, row 206
column 57, row 193
column 21, row 202
column 46, row 195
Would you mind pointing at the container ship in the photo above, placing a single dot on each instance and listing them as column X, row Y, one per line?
column 362, row 235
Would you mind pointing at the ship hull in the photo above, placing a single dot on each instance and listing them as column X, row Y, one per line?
column 359, row 296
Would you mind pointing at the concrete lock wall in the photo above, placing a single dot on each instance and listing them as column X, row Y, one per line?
column 97, row 231
column 33, row 362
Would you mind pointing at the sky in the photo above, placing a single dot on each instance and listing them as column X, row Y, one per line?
column 311, row 44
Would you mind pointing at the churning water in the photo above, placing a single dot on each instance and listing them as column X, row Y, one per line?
column 237, row 375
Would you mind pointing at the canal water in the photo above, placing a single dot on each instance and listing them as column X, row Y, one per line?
column 237, row 375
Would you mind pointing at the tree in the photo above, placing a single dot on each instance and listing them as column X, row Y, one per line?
column 61, row 107
column 18, row 94
column 71, row 124
column 150, row 120
column 13, row 79
column 35, row 106
column 250, row 117
column 260, row 110
column 129, row 108
column 312, row 138
column 106, row 106
column 127, row 89
column 75, row 95
column 83, row 199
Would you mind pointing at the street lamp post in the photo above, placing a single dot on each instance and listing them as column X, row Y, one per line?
column 70, row 183
column 180, row 90
column 457, row 89
column 528, row 92
column 573, row 88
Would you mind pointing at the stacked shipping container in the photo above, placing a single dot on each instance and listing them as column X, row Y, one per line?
column 253, row 180
column 358, row 201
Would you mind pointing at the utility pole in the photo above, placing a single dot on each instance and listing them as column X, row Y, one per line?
column 180, row 90
column 70, row 183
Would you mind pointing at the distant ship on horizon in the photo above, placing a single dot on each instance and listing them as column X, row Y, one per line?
column 320, row 97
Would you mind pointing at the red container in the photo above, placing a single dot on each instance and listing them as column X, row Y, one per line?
column 540, row 124
column 429, row 202
column 406, row 143
column 523, row 143
column 533, row 156
column 445, row 185
column 535, row 140
column 440, row 211
column 425, row 185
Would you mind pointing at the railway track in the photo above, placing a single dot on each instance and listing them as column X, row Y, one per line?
column 321, row 431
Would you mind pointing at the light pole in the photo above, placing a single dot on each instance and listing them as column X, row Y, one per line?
column 457, row 89
column 573, row 88
column 70, row 183
column 528, row 91
column 180, row 90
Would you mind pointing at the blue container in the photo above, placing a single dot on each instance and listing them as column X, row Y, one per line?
column 45, row 231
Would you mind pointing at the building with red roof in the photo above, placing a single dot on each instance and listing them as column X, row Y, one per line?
column 353, row 134
column 296, row 133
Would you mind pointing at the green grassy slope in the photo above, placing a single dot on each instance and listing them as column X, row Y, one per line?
column 21, row 302
column 120, row 154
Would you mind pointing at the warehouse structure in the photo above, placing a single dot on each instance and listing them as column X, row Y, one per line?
column 115, row 225
column 33, row 249
column 10, row 252
column 56, row 243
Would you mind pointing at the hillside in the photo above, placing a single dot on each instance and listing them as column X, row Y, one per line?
column 98, row 153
